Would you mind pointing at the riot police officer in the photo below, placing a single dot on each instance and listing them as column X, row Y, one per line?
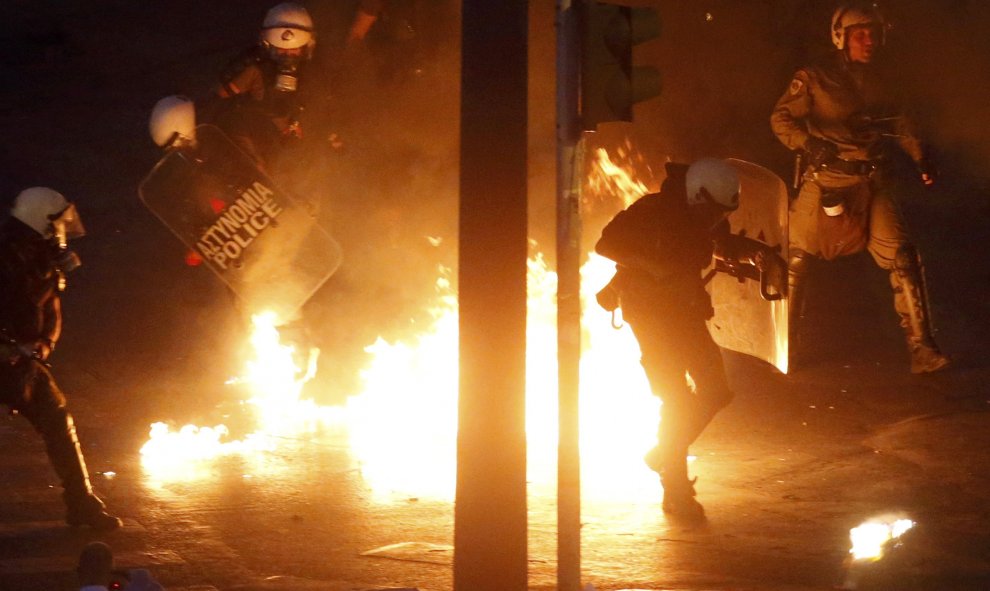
column 661, row 244
column 840, row 115
column 257, row 102
column 34, row 261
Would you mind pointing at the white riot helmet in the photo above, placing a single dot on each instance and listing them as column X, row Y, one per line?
column 48, row 213
column 173, row 122
column 288, row 26
column 856, row 15
column 715, row 181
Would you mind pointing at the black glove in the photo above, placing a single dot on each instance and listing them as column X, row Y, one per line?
column 820, row 150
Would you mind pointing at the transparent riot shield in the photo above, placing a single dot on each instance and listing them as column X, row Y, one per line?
column 257, row 238
column 750, row 301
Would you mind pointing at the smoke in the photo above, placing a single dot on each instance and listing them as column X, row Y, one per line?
column 380, row 161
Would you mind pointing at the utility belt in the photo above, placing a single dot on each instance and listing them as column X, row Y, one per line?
column 850, row 167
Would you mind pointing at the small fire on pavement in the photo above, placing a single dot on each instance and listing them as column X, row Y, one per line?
column 870, row 539
column 871, row 542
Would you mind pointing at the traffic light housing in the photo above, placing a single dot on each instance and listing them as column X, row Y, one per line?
column 610, row 84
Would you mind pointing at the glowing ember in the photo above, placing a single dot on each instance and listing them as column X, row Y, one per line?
column 870, row 538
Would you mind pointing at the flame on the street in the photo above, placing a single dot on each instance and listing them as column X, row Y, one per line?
column 275, row 383
column 402, row 426
column 871, row 538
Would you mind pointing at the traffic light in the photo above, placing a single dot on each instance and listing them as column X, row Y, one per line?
column 610, row 84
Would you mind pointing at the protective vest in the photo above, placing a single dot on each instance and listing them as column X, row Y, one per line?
column 846, row 104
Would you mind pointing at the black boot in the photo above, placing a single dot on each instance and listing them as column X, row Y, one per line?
column 679, row 499
column 84, row 507
column 678, row 492
column 89, row 511
column 911, row 303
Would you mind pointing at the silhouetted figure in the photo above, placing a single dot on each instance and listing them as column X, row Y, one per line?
column 34, row 263
column 661, row 244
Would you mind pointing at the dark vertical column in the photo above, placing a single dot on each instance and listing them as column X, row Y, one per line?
column 569, row 169
column 490, row 518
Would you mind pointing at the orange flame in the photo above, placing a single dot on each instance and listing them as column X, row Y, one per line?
column 870, row 539
column 402, row 425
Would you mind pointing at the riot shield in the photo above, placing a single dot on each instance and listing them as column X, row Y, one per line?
column 750, row 302
column 257, row 238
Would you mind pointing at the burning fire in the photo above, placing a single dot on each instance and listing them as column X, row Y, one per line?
column 275, row 382
column 870, row 538
column 401, row 427
column 609, row 178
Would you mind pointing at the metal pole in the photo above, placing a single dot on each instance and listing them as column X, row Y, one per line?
column 490, row 517
column 569, row 168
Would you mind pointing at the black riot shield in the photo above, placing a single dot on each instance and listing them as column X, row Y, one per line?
column 258, row 240
column 750, row 299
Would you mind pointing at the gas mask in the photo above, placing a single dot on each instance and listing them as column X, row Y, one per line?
column 66, row 225
column 67, row 260
column 287, row 68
